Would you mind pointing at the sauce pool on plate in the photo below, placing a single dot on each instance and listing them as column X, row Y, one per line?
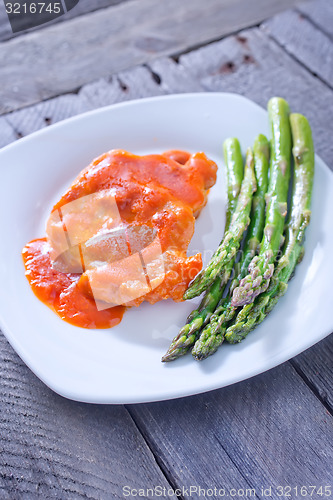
column 60, row 292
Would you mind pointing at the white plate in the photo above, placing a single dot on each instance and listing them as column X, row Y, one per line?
column 122, row 365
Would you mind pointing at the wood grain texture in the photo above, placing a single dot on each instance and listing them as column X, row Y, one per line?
column 270, row 430
column 304, row 41
column 132, row 84
column 7, row 133
column 55, row 448
column 316, row 367
column 173, row 77
column 68, row 55
column 83, row 7
column 46, row 113
column 253, row 65
column 135, row 83
column 320, row 12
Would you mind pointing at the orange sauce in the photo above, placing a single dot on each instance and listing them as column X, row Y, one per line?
column 59, row 291
column 164, row 192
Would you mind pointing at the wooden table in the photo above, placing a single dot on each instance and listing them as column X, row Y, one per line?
column 272, row 430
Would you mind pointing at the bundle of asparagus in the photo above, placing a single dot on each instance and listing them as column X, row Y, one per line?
column 230, row 309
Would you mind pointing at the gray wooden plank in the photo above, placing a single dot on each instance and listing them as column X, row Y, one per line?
column 304, row 41
column 138, row 82
column 130, row 84
column 135, row 83
column 271, row 429
column 173, row 77
column 316, row 367
column 83, row 7
column 321, row 14
column 33, row 118
column 7, row 133
column 253, row 65
column 84, row 49
column 55, row 448
column 104, row 92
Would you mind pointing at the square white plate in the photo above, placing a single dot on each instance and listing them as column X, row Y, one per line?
column 122, row 365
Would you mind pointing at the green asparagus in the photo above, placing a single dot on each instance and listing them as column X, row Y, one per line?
column 255, row 230
column 229, row 246
column 199, row 317
column 213, row 334
column 234, row 161
column 261, row 267
column 303, row 152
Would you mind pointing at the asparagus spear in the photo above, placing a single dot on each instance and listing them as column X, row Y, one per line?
column 229, row 246
column 234, row 161
column 199, row 317
column 212, row 335
column 253, row 314
column 255, row 230
column 261, row 267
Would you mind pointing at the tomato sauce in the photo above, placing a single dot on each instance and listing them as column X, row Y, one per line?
column 160, row 193
column 60, row 292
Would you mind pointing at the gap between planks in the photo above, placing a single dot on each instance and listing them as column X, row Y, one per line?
column 164, row 470
column 320, row 13
column 304, row 42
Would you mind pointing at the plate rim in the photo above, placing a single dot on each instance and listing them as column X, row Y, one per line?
column 143, row 100
column 10, row 336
